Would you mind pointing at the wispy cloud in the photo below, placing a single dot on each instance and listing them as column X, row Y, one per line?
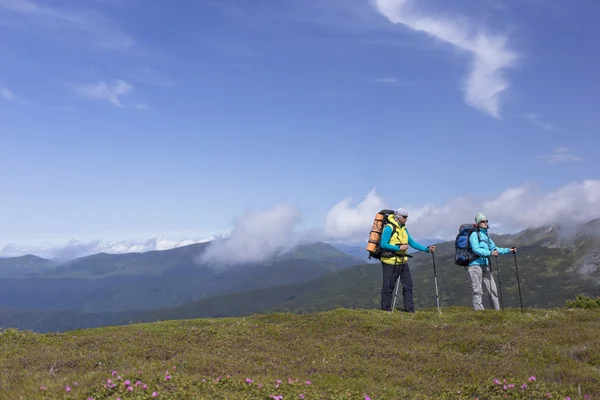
column 6, row 93
column 105, row 91
column 102, row 32
column 390, row 80
column 491, row 54
column 536, row 120
column 559, row 155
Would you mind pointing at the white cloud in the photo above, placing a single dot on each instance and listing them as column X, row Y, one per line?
column 560, row 154
column 345, row 222
column 514, row 209
column 536, row 120
column 256, row 236
column 6, row 93
column 106, row 92
column 491, row 54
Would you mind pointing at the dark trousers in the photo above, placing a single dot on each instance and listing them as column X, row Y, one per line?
column 391, row 273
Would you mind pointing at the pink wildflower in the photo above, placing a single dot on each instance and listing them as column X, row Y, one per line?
column 127, row 382
column 114, row 373
column 290, row 381
column 531, row 378
column 367, row 398
column 524, row 386
column 248, row 380
column 497, row 381
column 308, row 383
column 504, row 387
column 145, row 386
column 301, row 396
column 68, row 389
column 42, row 387
column 130, row 389
column 154, row 394
column 511, row 386
column 168, row 377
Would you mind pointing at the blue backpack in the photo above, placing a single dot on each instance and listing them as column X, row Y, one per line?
column 463, row 254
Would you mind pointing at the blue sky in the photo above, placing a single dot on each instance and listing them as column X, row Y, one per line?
column 130, row 120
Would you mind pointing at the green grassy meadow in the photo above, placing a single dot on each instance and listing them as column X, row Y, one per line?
column 338, row 354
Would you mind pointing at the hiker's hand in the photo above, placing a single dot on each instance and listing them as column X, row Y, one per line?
column 404, row 247
column 513, row 250
column 495, row 252
column 431, row 249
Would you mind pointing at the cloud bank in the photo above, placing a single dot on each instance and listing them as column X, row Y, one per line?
column 258, row 235
column 517, row 208
column 75, row 249
column 490, row 54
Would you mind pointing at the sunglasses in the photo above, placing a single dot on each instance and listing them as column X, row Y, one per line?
column 485, row 221
column 404, row 216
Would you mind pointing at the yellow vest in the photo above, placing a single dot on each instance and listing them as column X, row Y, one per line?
column 399, row 237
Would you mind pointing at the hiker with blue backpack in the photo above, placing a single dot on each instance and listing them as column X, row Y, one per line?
column 394, row 244
column 474, row 254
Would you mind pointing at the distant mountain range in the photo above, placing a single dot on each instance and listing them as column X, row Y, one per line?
column 555, row 264
column 137, row 281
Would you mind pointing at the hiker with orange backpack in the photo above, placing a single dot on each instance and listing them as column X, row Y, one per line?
column 391, row 250
column 483, row 247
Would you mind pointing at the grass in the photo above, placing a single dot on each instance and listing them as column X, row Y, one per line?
column 339, row 354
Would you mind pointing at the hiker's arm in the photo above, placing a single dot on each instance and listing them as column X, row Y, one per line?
column 501, row 250
column 418, row 246
column 386, row 235
column 478, row 247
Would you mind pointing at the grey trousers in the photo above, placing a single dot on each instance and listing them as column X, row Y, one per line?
column 478, row 276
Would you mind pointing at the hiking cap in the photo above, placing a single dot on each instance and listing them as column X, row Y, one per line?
column 401, row 212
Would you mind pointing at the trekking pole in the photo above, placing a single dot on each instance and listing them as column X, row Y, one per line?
column 499, row 284
column 436, row 286
column 518, row 282
column 396, row 294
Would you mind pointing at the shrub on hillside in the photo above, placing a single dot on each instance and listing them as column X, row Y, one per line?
column 585, row 302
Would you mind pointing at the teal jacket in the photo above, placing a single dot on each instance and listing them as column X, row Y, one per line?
column 483, row 247
column 386, row 235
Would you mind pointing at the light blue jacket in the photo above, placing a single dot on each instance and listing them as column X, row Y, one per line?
column 484, row 247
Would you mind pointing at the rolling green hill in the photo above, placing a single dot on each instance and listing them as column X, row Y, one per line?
column 339, row 354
